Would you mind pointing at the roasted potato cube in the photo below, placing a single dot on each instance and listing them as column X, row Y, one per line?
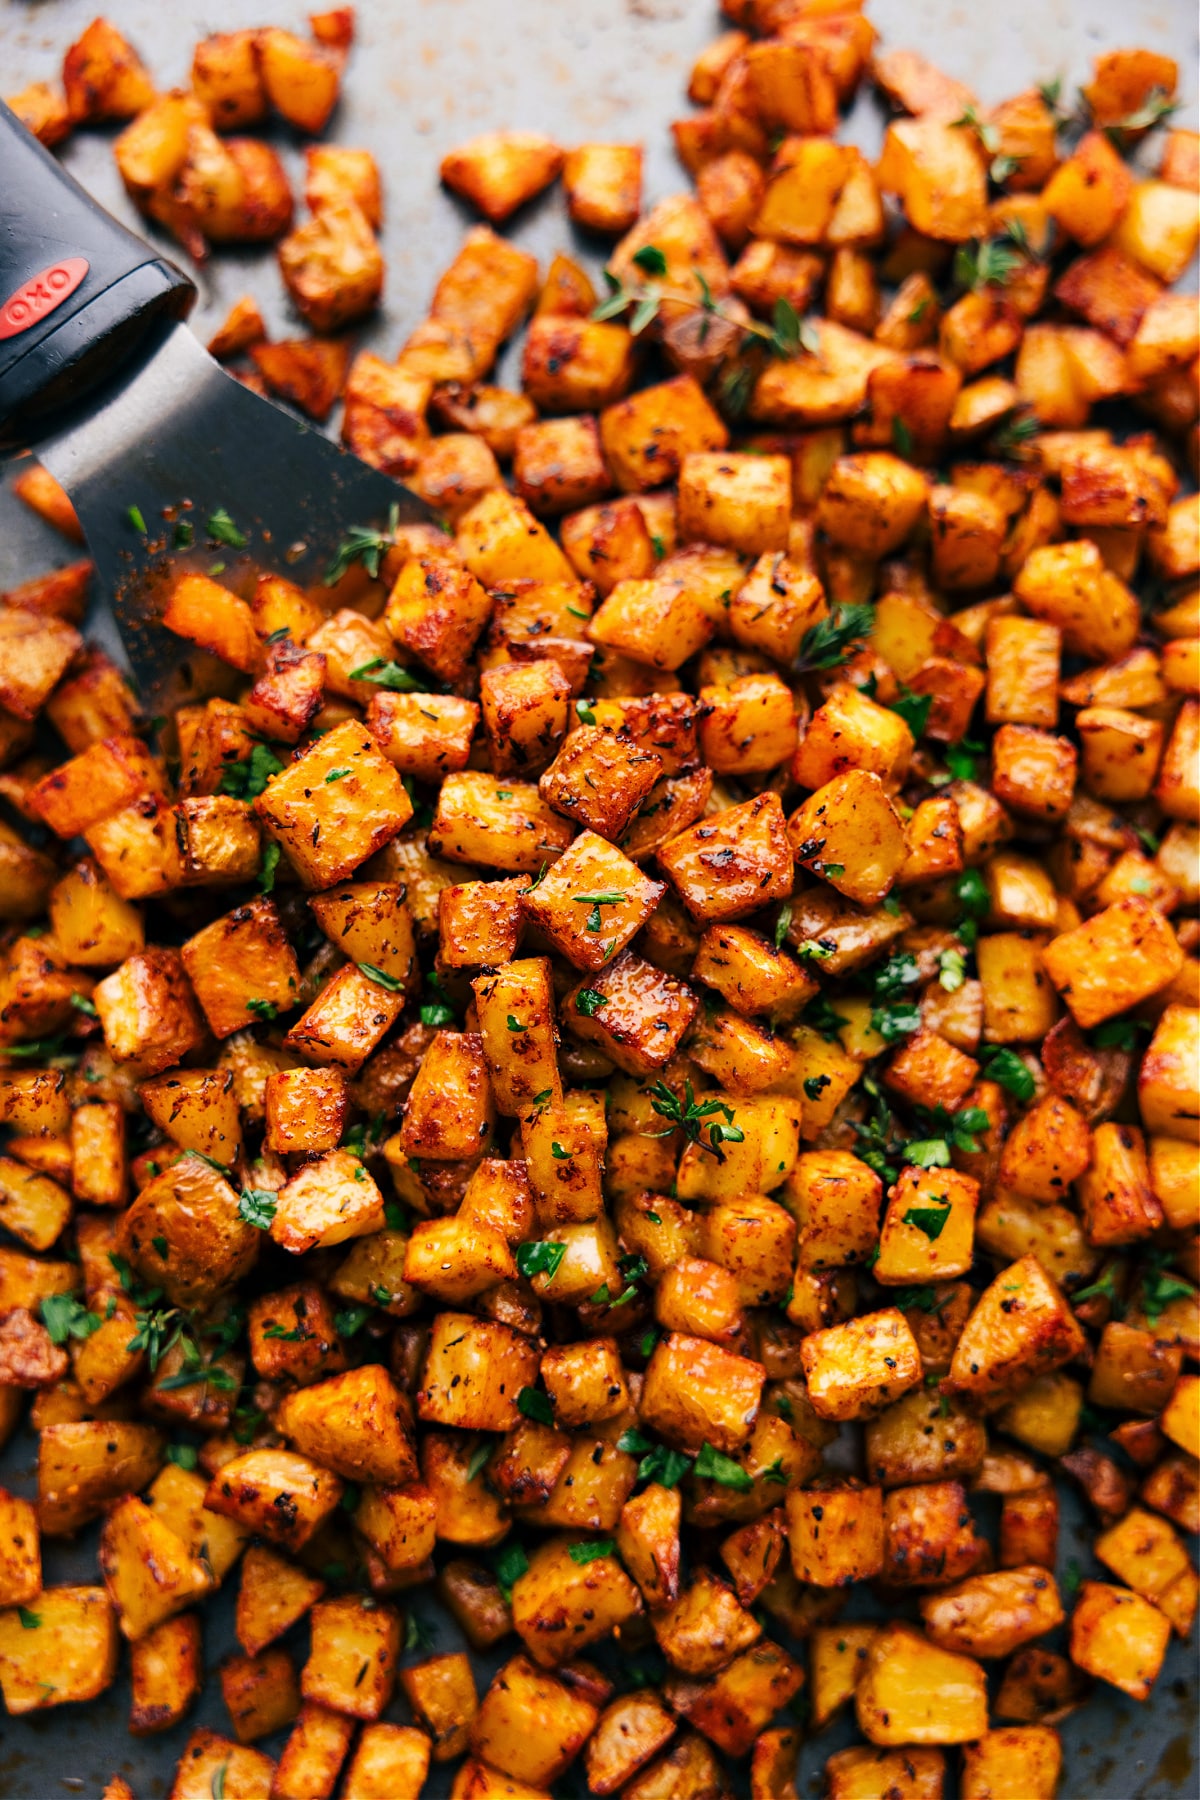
column 167, row 1672
column 384, row 418
column 586, row 1382
column 473, row 1373
column 860, row 1367
column 1015, row 1759
column 276, row 1494
column 43, row 110
column 314, row 1753
column 600, row 779
column 272, row 1596
column 647, row 437
column 869, row 1774
column 737, row 1704
column 701, row 1299
column 345, row 1022
column 575, row 365
column 735, row 499
column 835, row 1200
column 456, row 1261
column 696, row 1393
column 935, row 170
column 70, row 1655
column 242, row 967
column 359, row 1424
column 207, row 1758
column 1068, row 585
column 352, row 1663
column 749, row 974
column 305, row 1110
column 389, row 1759
column 185, row 1233
column 147, row 1569
column 851, row 732
column 705, row 1627
column 500, row 1730
column 333, row 270
column 333, row 173
column 1166, row 1080
column 426, row 735
column 436, row 610
column 634, row 1012
column 525, row 713
column 630, row 1731
column 441, row 1692
column 450, row 1113
column 499, row 171
column 481, row 820
column 561, row 1605
column 849, row 834
column 913, row 1692
column 78, row 1472
column 559, row 464
column 993, row 1614
column 591, row 902
column 733, row 864
column 603, row 184
column 327, row 829
column 1113, row 960
column 1119, row 1637
column 1178, row 1419
column 104, row 76
column 929, row 1228
column 1021, row 1328
column 659, row 622
column 835, row 1534
column 20, row 1551
column 324, row 1203
column 522, row 1062
column 1143, row 1551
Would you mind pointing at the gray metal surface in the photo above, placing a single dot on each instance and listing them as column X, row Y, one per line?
column 423, row 75
column 176, row 429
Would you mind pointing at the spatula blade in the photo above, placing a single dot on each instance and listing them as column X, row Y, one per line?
column 179, row 430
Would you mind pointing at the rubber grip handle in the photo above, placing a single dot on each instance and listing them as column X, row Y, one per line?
column 77, row 291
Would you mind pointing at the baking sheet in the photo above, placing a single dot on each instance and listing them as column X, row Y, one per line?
column 423, row 75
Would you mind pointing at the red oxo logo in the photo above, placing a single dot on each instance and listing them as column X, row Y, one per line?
column 40, row 295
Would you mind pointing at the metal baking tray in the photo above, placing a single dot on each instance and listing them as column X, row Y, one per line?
column 423, row 75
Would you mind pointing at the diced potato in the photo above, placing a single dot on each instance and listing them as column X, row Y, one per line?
column 351, row 1665
column 277, row 1494
column 912, row 1692
column 473, row 1373
column 561, row 1605
column 929, row 1228
column 167, row 1672
column 1119, row 1637
column 869, row 1774
column 326, row 830
column 1113, row 960
column 1012, row 1760
column 237, row 1767
column 147, row 1569
column 994, row 1614
column 696, row 1393
column 860, row 1367
column 326, row 1202
column 1021, row 1327
column 70, row 1655
column 1167, row 1095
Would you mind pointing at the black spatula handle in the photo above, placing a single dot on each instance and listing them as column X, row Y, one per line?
column 77, row 290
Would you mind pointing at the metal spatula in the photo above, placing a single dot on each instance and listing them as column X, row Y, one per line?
column 137, row 421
